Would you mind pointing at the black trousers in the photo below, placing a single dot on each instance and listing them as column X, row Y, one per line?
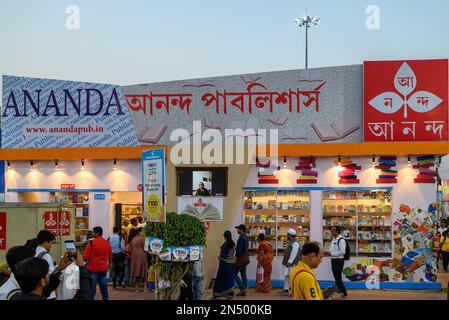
column 337, row 270
column 118, row 267
column 445, row 259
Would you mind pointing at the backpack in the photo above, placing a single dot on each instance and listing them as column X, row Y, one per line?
column 42, row 254
column 13, row 294
column 347, row 254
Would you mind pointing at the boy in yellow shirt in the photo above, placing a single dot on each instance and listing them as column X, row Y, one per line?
column 303, row 282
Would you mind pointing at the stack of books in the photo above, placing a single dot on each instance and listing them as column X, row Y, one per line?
column 388, row 173
column 267, row 173
column 307, row 175
column 348, row 175
column 425, row 175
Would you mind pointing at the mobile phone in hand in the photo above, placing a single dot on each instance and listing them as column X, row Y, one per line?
column 71, row 249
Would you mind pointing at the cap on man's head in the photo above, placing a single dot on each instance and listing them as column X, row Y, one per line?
column 291, row 232
column 242, row 227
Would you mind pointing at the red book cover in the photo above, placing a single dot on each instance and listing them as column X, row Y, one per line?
column 346, row 181
column 386, row 181
column 302, row 181
column 268, row 181
column 424, row 181
column 422, row 176
column 417, row 166
column 346, row 173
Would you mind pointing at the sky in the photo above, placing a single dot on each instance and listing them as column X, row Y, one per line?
column 142, row 41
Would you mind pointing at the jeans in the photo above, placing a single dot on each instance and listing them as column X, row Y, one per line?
column 337, row 270
column 127, row 270
column 241, row 283
column 100, row 278
column 118, row 268
column 197, row 285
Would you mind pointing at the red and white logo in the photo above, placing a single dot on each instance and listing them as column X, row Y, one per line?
column 200, row 204
column 406, row 100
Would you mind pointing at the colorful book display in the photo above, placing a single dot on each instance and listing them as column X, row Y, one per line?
column 388, row 172
column 267, row 173
column 307, row 175
column 348, row 175
column 425, row 174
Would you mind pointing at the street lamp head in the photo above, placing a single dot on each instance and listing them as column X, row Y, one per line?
column 307, row 21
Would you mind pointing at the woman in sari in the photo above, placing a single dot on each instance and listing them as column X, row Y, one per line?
column 224, row 282
column 264, row 259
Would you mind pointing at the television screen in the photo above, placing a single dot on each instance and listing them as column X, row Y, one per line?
column 202, row 182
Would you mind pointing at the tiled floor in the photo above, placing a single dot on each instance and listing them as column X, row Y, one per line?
column 276, row 294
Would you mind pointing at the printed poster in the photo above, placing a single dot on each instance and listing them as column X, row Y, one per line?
column 153, row 176
column 204, row 208
column 58, row 226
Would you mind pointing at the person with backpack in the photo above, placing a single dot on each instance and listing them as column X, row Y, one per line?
column 303, row 283
column 98, row 255
column 45, row 240
column 118, row 258
column 11, row 288
column 339, row 253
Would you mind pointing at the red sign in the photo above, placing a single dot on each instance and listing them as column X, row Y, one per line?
column 406, row 100
column 58, row 226
column 67, row 186
column 64, row 223
column 2, row 230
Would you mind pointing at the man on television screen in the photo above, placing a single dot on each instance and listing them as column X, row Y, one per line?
column 202, row 191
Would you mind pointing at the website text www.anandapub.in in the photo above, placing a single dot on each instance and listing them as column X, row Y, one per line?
column 71, row 129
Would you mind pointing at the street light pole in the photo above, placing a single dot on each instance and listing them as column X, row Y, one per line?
column 307, row 22
column 307, row 47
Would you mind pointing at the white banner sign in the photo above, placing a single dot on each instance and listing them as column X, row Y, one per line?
column 153, row 176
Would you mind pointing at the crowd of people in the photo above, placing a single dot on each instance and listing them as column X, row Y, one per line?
column 298, row 262
column 33, row 274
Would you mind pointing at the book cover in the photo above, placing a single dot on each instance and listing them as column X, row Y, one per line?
column 278, row 120
column 338, row 129
column 150, row 134
column 294, row 134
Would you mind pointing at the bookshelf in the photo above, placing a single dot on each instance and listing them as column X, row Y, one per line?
column 130, row 211
column 365, row 217
column 273, row 212
column 81, row 202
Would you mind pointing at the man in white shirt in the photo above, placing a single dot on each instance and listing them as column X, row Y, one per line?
column 338, row 249
column 13, row 257
column 45, row 240
column 292, row 256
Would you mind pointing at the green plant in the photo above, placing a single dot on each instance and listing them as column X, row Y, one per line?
column 179, row 230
